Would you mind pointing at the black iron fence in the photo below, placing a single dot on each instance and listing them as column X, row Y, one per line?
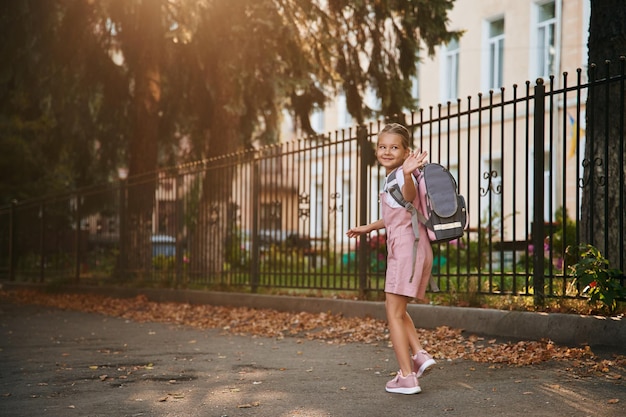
column 276, row 217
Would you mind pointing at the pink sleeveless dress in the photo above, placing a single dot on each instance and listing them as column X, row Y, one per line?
column 400, row 239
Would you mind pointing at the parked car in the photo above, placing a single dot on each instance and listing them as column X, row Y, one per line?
column 163, row 245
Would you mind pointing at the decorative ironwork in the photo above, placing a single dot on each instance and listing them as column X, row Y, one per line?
column 489, row 176
column 334, row 207
column 304, row 206
column 587, row 165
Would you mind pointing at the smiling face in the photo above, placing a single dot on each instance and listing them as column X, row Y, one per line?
column 391, row 150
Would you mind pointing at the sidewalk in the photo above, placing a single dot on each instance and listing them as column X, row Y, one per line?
column 66, row 363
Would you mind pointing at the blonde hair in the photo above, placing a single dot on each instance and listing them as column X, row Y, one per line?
column 398, row 129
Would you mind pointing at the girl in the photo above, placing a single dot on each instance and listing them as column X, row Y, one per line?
column 393, row 153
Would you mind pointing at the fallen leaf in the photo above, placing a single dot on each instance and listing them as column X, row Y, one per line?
column 444, row 343
column 250, row 405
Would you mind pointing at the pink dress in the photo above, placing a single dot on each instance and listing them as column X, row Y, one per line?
column 400, row 239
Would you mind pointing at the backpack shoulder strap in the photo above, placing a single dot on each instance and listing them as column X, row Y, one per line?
column 394, row 190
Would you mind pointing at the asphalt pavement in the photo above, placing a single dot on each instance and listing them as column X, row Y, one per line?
column 67, row 363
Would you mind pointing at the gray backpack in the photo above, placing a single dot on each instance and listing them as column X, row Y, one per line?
column 443, row 209
column 445, row 215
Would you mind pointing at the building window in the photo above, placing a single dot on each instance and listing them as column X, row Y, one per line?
column 546, row 48
column 495, row 45
column 450, row 84
column 415, row 87
column 271, row 215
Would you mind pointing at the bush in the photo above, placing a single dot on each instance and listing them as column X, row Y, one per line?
column 601, row 283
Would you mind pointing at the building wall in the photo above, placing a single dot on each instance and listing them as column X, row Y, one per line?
column 472, row 17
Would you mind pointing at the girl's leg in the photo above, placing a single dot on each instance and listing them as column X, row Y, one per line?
column 397, row 320
column 414, row 341
column 421, row 359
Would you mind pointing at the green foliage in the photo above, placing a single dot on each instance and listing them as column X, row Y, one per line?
column 60, row 124
column 236, row 253
column 597, row 280
column 563, row 237
column 164, row 263
column 377, row 253
column 78, row 71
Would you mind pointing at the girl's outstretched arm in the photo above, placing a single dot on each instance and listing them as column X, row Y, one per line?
column 366, row 228
column 413, row 163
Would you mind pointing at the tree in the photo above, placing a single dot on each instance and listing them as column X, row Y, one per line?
column 134, row 76
column 220, row 68
column 62, row 100
column 605, row 151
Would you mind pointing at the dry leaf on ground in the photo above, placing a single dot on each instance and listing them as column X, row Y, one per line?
column 443, row 342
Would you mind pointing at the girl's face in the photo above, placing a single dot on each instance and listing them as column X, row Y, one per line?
column 390, row 151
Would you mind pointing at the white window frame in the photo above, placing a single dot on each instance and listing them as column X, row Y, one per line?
column 415, row 85
column 540, row 46
column 449, row 85
column 586, row 20
column 493, row 55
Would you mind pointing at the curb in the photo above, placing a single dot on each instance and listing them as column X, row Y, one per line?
column 563, row 329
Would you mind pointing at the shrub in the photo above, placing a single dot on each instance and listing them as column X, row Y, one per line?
column 592, row 273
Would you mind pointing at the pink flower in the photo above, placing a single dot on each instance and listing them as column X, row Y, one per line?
column 559, row 263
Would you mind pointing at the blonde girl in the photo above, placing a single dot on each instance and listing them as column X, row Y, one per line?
column 404, row 280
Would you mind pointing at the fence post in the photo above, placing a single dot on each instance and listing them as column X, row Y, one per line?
column 255, row 256
column 77, row 240
column 367, row 156
column 42, row 242
column 179, row 221
column 123, row 232
column 12, row 248
column 538, row 226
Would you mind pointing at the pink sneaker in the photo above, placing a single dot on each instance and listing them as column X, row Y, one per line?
column 422, row 361
column 403, row 384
